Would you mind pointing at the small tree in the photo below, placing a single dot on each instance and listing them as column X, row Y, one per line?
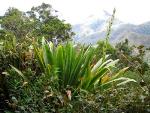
column 39, row 21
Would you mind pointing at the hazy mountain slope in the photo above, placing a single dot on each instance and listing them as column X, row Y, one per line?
column 134, row 38
column 94, row 29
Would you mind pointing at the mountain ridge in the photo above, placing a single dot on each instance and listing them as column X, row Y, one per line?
column 94, row 30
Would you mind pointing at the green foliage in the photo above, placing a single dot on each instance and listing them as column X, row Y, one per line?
column 16, row 22
column 133, row 57
column 5, row 35
column 13, row 52
column 110, row 50
column 39, row 21
column 30, row 91
column 65, row 77
column 75, row 68
column 124, row 47
column 42, row 95
column 65, row 69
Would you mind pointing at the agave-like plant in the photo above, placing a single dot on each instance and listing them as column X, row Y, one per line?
column 75, row 68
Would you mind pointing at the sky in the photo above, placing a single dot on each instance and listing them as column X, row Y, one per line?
column 75, row 11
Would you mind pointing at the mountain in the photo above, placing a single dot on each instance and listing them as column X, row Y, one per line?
column 94, row 29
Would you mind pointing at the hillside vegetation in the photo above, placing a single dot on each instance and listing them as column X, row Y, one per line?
column 43, row 71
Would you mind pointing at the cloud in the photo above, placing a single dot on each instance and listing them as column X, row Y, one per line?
column 74, row 11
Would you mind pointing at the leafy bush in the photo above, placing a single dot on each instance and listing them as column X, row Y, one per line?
column 75, row 68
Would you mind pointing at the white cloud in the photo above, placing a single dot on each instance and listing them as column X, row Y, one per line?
column 74, row 11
